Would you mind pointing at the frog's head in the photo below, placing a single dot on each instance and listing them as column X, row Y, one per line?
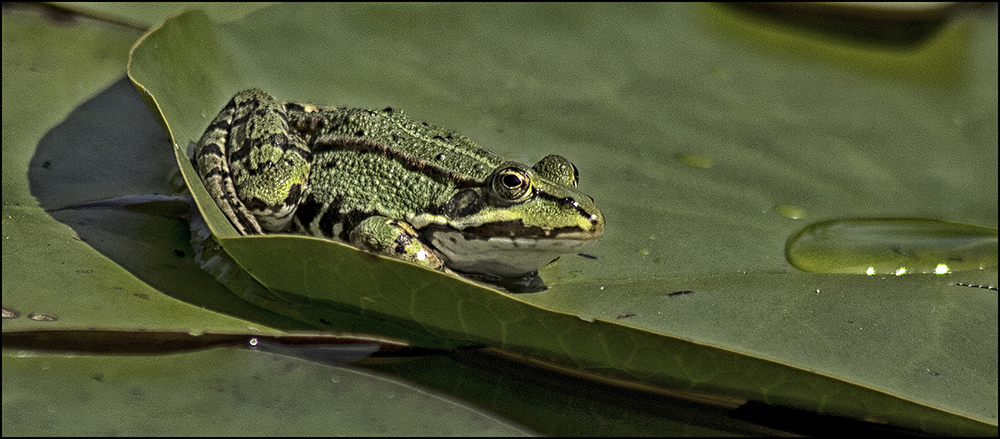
column 521, row 219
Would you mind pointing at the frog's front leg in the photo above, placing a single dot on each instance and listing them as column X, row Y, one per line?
column 253, row 167
column 397, row 239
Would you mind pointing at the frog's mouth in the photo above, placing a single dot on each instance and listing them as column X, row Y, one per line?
column 476, row 250
column 517, row 229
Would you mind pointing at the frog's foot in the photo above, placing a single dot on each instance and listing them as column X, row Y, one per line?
column 220, row 187
column 253, row 167
column 213, row 168
column 397, row 239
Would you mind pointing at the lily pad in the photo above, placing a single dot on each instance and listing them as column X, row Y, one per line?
column 64, row 131
column 226, row 392
column 690, row 287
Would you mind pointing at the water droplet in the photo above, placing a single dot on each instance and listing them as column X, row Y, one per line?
column 790, row 211
column 892, row 246
column 42, row 317
column 10, row 313
column 694, row 160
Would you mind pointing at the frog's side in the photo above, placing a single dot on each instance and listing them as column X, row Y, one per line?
column 390, row 185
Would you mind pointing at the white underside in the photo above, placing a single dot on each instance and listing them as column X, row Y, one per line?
column 500, row 256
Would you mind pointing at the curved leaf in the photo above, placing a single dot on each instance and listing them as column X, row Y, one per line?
column 68, row 113
column 690, row 287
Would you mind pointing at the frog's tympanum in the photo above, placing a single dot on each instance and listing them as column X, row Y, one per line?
column 392, row 186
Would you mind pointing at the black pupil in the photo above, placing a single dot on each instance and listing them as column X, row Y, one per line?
column 511, row 181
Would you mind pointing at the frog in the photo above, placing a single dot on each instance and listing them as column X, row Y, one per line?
column 391, row 185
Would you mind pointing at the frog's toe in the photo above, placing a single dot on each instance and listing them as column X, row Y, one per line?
column 397, row 239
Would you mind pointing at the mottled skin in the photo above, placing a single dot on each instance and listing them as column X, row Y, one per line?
column 391, row 185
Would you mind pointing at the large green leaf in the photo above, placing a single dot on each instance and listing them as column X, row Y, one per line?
column 65, row 124
column 109, row 278
column 706, row 150
column 227, row 392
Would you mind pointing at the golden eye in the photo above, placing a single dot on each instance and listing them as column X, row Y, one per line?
column 512, row 183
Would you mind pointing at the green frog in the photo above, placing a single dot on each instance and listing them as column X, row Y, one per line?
column 391, row 185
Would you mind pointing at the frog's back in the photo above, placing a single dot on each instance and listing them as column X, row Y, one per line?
column 422, row 146
column 371, row 162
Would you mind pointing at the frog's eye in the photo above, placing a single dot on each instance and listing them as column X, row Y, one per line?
column 512, row 184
